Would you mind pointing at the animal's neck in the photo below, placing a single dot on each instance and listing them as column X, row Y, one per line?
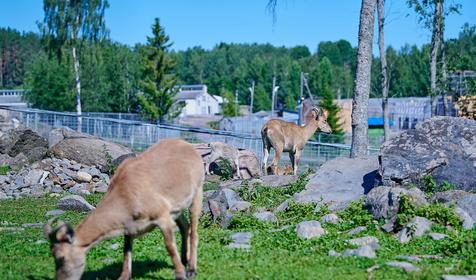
column 309, row 129
column 98, row 225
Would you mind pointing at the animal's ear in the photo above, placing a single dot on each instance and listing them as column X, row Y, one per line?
column 324, row 113
column 63, row 233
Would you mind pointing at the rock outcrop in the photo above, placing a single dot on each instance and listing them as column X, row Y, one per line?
column 443, row 147
column 340, row 181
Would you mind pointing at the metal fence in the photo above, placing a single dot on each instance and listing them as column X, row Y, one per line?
column 139, row 135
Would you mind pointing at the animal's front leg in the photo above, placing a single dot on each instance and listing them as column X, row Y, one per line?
column 126, row 273
column 167, row 227
column 297, row 157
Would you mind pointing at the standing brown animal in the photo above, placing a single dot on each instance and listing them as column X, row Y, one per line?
column 289, row 137
column 148, row 191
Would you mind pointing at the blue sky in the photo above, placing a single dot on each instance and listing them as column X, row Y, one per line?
column 208, row 22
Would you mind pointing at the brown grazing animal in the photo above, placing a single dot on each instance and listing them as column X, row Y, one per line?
column 148, row 191
column 289, row 137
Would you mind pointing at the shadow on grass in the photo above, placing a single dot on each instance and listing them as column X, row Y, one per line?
column 112, row 271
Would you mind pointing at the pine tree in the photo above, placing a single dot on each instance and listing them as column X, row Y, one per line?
column 158, row 82
column 327, row 101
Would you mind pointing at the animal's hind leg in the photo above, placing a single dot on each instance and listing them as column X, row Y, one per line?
column 184, row 227
column 266, row 150
column 278, row 151
column 194, row 216
column 167, row 226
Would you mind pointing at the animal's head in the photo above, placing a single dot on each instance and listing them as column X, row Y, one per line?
column 320, row 115
column 69, row 259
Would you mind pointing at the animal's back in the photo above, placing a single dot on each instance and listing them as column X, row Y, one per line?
column 277, row 128
column 170, row 170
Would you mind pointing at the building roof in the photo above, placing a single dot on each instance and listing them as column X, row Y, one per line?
column 186, row 95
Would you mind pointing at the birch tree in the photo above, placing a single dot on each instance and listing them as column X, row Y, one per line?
column 362, row 80
column 67, row 24
column 383, row 68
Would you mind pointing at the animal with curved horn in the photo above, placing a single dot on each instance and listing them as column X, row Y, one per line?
column 289, row 137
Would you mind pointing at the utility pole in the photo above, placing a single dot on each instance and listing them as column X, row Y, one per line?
column 252, row 91
column 236, row 103
column 301, row 98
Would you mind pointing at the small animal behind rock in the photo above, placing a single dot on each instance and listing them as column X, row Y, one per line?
column 221, row 150
column 278, row 170
column 148, row 191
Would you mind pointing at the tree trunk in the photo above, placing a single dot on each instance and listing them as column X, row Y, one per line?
column 435, row 43
column 362, row 80
column 383, row 64
column 78, row 87
column 444, row 75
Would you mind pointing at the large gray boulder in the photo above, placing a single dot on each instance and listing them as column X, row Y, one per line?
column 88, row 150
column 384, row 202
column 444, row 147
column 465, row 202
column 222, row 204
column 340, row 181
column 250, row 166
column 15, row 142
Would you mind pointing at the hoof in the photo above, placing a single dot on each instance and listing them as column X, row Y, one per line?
column 191, row 273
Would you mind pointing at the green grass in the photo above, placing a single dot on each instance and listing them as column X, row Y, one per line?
column 4, row 169
column 274, row 255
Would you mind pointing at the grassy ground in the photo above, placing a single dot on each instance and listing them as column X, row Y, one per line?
column 274, row 255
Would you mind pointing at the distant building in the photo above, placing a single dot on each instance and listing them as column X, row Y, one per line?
column 198, row 101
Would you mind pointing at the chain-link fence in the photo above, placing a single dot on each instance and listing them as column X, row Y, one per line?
column 139, row 135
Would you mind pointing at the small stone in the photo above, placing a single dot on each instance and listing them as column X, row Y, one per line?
column 437, row 236
column 33, row 225
column 33, row 177
column 417, row 227
column 3, row 196
column 75, row 203
column 240, row 206
column 266, row 216
column 282, row 207
column 107, row 261
column 56, row 189
column 409, row 258
column 366, row 240
column 43, row 177
column 333, row 253
column 101, row 188
column 54, row 213
column 330, row 218
column 365, row 251
column 468, row 221
column 241, row 240
column 356, row 230
column 408, row 267
column 459, row 277
column 310, row 229
column 114, row 246
column 83, row 177
column 41, row 241
column 75, row 167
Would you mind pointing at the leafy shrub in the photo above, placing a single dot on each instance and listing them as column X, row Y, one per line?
column 225, row 170
column 430, row 186
column 436, row 212
column 4, row 169
column 356, row 213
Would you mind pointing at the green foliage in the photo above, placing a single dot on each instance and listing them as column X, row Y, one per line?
column 4, row 169
column 430, row 186
column 17, row 51
column 51, row 84
column 268, row 197
column 69, row 23
column 158, row 81
column 110, row 166
column 324, row 81
column 225, row 170
column 356, row 213
column 436, row 212
column 229, row 107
